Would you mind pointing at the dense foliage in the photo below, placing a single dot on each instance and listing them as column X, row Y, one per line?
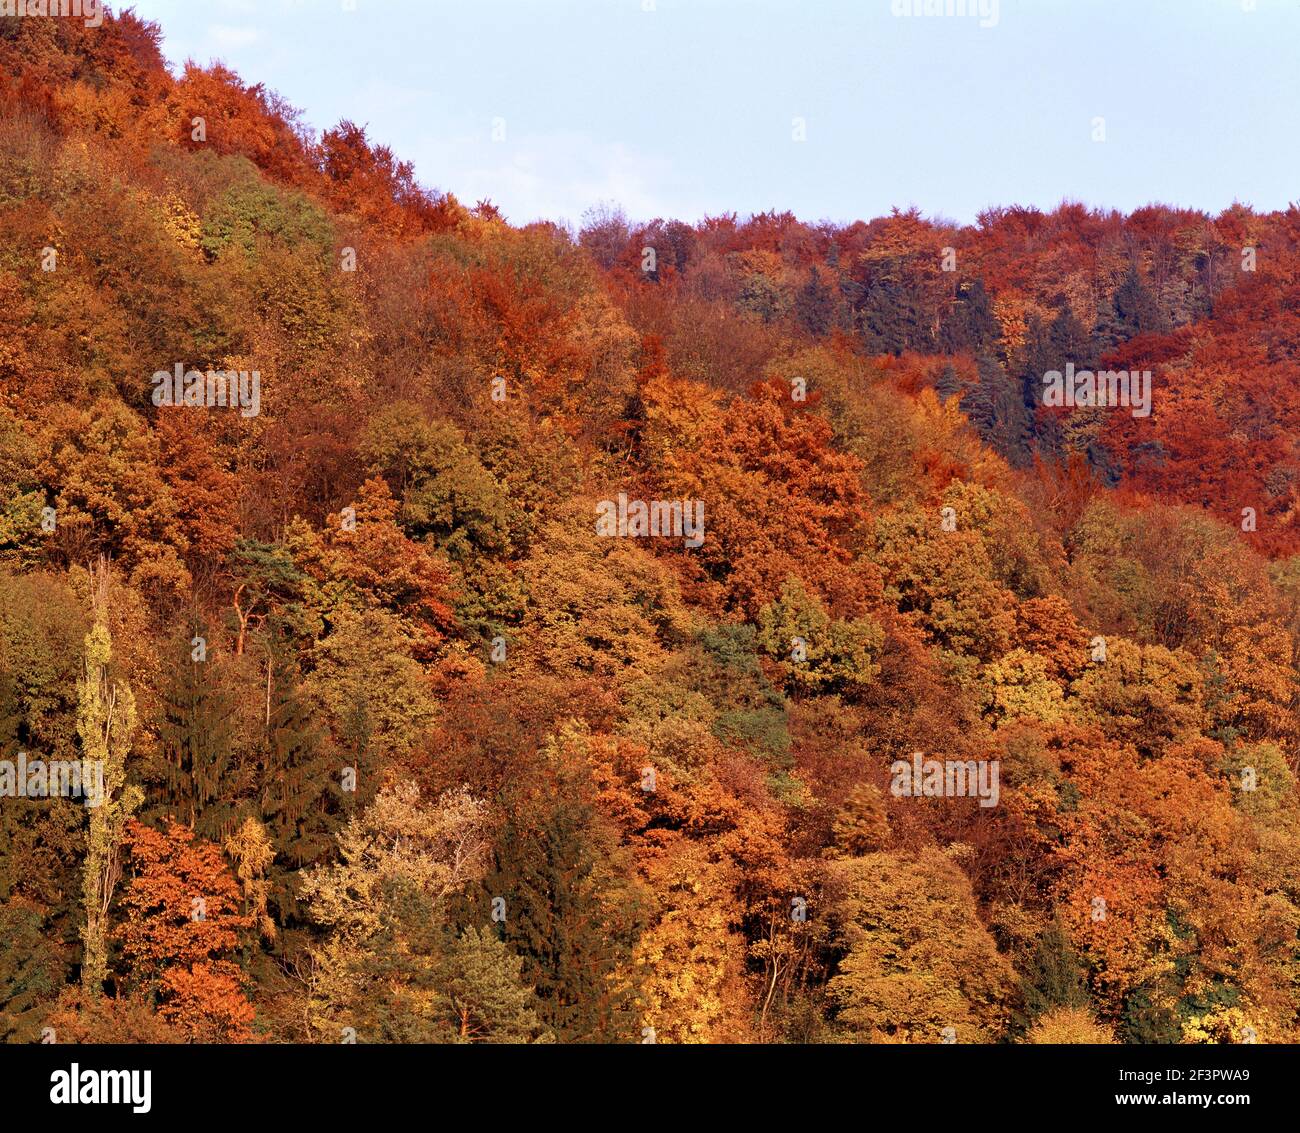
column 397, row 748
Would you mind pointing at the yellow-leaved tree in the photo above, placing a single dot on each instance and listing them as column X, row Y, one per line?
column 105, row 723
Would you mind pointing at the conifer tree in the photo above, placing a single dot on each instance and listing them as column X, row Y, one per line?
column 1130, row 311
column 948, row 383
column 299, row 783
column 1068, row 341
column 481, row 996
column 814, row 305
column 1053, row 977
column 1136, row 310
column 30, row 971
column 970, row 325
column 997, row 410
column 569, row 912
column 196, row 734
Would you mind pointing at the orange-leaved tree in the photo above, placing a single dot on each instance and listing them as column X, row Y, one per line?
column 183, row 922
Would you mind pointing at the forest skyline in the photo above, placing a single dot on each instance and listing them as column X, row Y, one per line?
column 706, row 127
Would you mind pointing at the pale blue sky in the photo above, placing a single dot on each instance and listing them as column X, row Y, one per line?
column 687, row 110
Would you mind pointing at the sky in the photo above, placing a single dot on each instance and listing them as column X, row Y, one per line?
column 831, row 109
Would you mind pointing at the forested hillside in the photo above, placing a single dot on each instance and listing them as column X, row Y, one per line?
column 419, row 714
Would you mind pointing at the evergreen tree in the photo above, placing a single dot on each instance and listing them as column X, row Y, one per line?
column 1052, row 347
column 948, row 383
column 1132, row 310
column 814, row 305
column 300, row 785
column 1136, row 310
column 970, row 325
column 995, row 406
column 1037, row 357
column 890, row 318
column 30, row 971
column 195, row 739
column 1068, row 341
column 571, row 913
column 1053, row 977
column 1145, row 1021
column 481, row 997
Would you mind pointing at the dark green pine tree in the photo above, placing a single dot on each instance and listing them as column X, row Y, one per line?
column 948, row 383
column 31, row 973
column 481, row 998
column 1052, row 347
column 1145, row 1020
column 1053, row 978
column 423, row 983
column 890, row 316
column 1037, row 357
column 196, row 732
column 567, row 913
column 1132, row 310
column 969, row 325
column 1136, row 310
column 814, row 305
column 1068, row 341
column 300, row 784
column 995, row 406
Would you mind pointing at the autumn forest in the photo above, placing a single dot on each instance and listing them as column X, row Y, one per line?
column 421, row 627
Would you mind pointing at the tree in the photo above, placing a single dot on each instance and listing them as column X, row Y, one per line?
column 105, row 723
column 862, row 826
column 571, row 911
column 366, row 685
column 250, row 849
column 916, row 958
column 31, row 974
column 761, row 459
column 182, row 922
column 482, row 994
column 299, row 784
column 195, row 737
column 814, row 305
column 693, row 955
column 970, row 326
column 388, row 967
column 1069, row 1025
column 363, row 561
column 996, row 408
column 948, row 382
column 1054, row 979
column 1135, row 308
column 816, row 653
column 445, row 491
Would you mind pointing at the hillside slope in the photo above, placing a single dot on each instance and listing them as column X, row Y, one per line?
column 377, row 663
